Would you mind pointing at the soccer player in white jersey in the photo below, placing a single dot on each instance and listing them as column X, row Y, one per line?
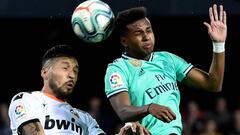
column 47, row 112
column 142, row 84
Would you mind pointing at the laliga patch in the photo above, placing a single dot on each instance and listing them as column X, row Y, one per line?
column 115, row 80
column 20, row 111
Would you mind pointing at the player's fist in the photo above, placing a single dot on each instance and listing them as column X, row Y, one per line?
column 161, row 112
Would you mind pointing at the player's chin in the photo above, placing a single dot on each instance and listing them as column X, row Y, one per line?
column 64, row 94
column 148, row 51
column 67, row 91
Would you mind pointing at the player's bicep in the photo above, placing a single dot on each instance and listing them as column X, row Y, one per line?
column 32, row 128
column 197, row 78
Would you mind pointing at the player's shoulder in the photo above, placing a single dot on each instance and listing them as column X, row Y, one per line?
column 24, row 95
column 79, row 113
column 78, row 110
column 118, row 62
column 163, row 53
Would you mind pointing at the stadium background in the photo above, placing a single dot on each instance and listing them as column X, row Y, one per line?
column 29, row 27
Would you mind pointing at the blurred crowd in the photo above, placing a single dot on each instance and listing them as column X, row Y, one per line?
column 216, row 121
column 219, row 120
column 4, row 120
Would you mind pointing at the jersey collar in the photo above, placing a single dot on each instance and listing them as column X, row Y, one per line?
column 125, row 56
column 53, row 97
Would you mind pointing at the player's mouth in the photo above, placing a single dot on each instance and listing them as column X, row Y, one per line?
column 147, row 46
column 70, row 84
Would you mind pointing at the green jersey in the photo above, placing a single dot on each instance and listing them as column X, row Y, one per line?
column 152, row 81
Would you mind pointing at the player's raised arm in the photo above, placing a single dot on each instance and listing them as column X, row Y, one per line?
column 217, row 30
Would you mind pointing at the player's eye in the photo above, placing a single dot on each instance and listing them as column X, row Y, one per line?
column 65, row 68
column 75, row 71
column 136, row 33
column 149, row 30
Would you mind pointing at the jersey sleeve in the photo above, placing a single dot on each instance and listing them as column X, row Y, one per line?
column 22, row 109
column 91, row 123
column 181, row 66
column 115, row 80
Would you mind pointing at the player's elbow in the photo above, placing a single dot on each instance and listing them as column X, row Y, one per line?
column 127, row 119
column 215, row 84
column 124, row 119
column 216, row 88
column 124, row 116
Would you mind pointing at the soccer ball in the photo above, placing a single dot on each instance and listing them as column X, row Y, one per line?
column 92, row 21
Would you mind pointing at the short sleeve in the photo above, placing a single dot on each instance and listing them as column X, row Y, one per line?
column 115, row 81
column 181, row 66
column 23, row 108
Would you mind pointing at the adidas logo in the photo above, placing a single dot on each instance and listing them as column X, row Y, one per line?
column 141, row 72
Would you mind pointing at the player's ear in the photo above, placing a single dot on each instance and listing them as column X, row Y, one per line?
column 44, row 73
column 123, row 41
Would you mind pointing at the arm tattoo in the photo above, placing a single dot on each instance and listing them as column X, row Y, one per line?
column 32, row 129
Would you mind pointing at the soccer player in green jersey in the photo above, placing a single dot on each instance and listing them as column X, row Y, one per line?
column 142, row 84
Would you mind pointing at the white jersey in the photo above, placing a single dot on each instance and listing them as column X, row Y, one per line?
column 56, row 117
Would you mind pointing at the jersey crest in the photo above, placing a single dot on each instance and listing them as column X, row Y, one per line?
column 135, row 63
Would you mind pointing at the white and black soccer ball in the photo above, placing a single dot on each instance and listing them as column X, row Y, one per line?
column 92, row 21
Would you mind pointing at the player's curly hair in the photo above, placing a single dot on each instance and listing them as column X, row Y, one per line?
column 128, row 16
column 58, row 51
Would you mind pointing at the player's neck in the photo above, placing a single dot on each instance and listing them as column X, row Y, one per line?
column 51, row 95
column 147, row 57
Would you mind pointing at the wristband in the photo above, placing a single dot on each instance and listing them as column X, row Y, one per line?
column 218, row 47
column 148, row 107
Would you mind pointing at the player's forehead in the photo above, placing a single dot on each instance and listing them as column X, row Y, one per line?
column 66, row 60
column 139, row 24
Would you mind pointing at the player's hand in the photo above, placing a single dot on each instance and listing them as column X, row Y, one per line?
column 133, row 128
column 217, row 29
column 161, row 112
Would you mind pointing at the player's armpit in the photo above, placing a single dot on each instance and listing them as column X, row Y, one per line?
column 33, row 127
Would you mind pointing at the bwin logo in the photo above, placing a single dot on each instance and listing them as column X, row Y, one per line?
column 62, row 125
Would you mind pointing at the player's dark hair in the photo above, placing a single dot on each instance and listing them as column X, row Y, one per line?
column 128, row 16
column 58, row 51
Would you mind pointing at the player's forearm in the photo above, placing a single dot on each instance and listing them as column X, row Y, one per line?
column 216, row 72
column 34, row 128
column 132, row 113
column 125, row 110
